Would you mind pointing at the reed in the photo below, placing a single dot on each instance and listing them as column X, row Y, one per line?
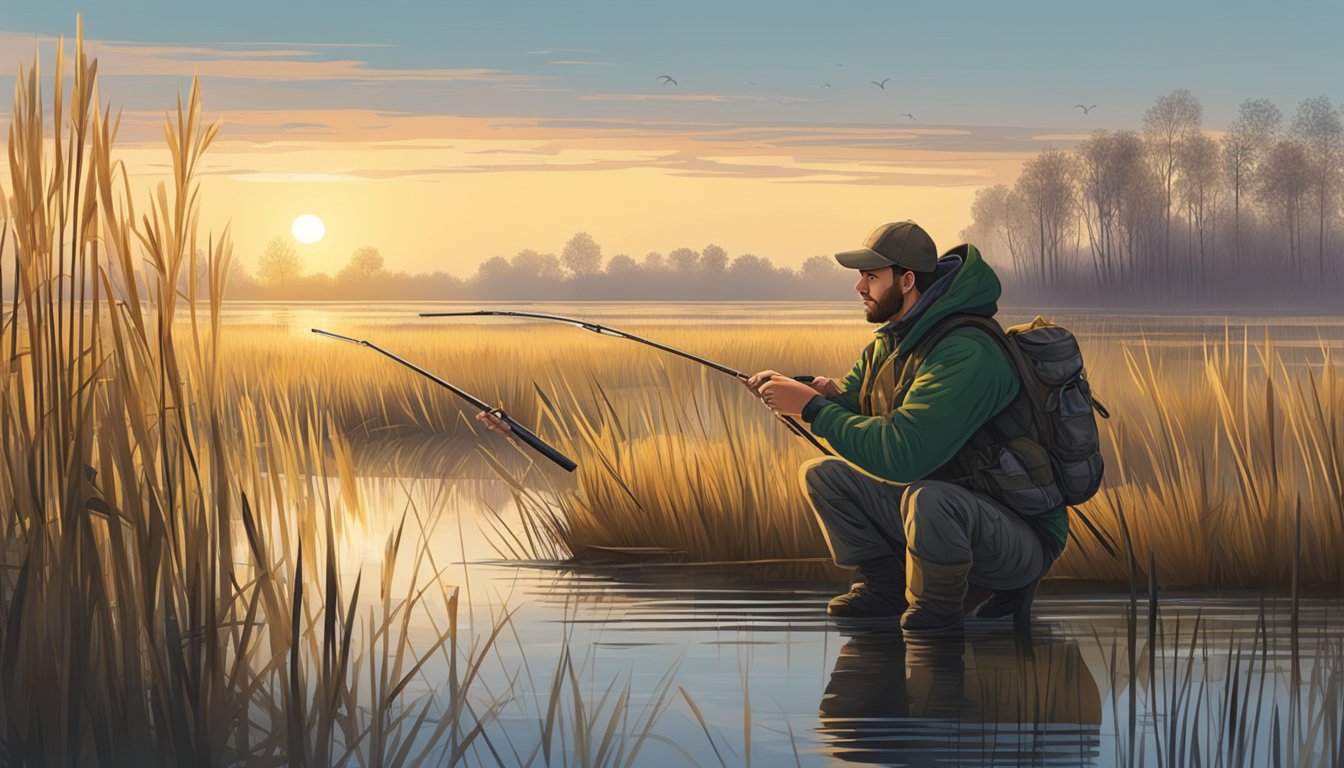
column 1210, row 444
column 170, row 591
column 1215, row 699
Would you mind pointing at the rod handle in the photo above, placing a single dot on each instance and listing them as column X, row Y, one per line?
column 537, row 444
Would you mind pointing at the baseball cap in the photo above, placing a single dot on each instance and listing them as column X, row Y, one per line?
column 898, row 244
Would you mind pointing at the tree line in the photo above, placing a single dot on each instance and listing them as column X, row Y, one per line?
column 1171, row 214
column 578, row 272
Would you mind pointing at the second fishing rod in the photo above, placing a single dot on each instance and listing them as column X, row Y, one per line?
column 604, row 330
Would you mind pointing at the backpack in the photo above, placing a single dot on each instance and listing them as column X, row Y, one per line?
column 1043, row 451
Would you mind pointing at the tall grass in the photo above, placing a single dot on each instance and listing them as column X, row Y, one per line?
column 1209, row 444
column 1196, row 697
column 170, row 591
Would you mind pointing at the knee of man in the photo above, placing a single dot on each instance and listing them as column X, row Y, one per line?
column 817, row 473
column 927, row 504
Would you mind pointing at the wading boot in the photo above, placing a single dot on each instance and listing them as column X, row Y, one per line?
column 1007, row 605
column 935, row 593
column 880, row 593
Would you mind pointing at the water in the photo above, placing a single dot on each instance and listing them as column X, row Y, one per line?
column 756, row 639
column 752, row 670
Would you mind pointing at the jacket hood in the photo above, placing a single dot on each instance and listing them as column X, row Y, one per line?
column 963, row 283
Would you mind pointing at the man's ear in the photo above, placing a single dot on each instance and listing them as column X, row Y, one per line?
column 907, row 285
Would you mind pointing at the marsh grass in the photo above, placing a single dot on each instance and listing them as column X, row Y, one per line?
column 1193, row 697
column 1209, row 445
column 1210, row 441
column 170, row 591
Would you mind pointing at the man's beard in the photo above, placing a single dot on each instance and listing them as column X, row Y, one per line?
column 885, row 308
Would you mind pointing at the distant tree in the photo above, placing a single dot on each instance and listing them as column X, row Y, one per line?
column 1198, row 188
column 238, row 279
column 1170, row 121
column 989, row 220
column 1046, row 189
column 713, row 259
column 751, row 264
column 1320, row 129
column 653, row 262
column 493, row 268
column 1244, row 144
column 819, row 270
column 1283, row 183
column 529, row 263
column 684, row 260
column 280, row 263
column 365, row 264
column 582, row 256
column 621, row 265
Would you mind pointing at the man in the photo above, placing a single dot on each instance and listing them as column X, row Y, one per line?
column 890, row 506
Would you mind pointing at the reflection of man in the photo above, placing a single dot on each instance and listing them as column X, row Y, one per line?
column 907, row 422
column 890, row 701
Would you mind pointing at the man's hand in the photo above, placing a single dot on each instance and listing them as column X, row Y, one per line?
column 786, row 396
column 820, row 384
column 493, row 423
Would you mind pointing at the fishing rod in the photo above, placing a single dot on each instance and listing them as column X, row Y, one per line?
column 603, row 330
column 522, row 432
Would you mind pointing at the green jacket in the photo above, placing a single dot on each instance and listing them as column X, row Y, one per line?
column 965, row 381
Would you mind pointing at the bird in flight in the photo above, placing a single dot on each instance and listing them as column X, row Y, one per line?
column 839, row 65
column 1085, row 109
column 666, row 79
column 907, row 114
column 825, row 85
column 882, row 85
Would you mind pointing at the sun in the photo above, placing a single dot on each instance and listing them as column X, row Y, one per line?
column 308, row 229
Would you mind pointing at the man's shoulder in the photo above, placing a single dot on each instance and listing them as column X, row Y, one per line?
column 974, row 351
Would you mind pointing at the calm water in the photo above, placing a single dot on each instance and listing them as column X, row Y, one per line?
column 777, row 683
column 756, row 639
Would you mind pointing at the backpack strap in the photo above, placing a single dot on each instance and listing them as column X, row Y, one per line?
column 920, row 352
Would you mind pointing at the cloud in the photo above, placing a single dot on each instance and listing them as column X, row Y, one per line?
column 706, row 97
column 295, row 178
column 256, row 62
column 1060, row 137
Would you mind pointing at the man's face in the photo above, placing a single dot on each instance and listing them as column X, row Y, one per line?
column 881, row 293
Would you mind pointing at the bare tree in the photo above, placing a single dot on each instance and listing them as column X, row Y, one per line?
column 1046, row 189
column 1283, row 184
column 1244, row 144
column 1170, row 121
column 987, row 218
column 1319, row 127
column 280, row 263
column 582, row 256
column 1198, row 189
column 1107, row 170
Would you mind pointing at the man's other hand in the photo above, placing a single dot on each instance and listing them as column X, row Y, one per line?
column 493, row 423
column 820, row 384
column 824, row 386
column 786, row 396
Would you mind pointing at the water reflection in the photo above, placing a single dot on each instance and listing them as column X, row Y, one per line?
column 997, row 698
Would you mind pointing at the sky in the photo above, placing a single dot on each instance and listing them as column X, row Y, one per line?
column 446, row 133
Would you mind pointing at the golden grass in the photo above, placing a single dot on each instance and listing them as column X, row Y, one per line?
column 1211, row 444
column 170, row 591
